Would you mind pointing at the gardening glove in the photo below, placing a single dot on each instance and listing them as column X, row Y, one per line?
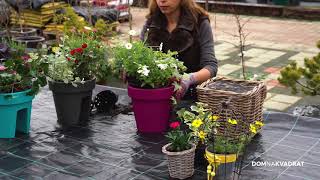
column 185, row 83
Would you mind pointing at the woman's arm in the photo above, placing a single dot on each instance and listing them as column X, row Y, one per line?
column 208, row 61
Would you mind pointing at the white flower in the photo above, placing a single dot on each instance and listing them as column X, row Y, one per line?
column 144, row 70
column 33, row 56
column 88, row 28
column 174, row 66
column 132, row 32
column 162, row 66
column 128, row 45
column 44, row 46
column 34, row 79
column 255, row 76
column 160, row 47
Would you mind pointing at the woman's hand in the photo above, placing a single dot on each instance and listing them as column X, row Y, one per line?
column 185, row 83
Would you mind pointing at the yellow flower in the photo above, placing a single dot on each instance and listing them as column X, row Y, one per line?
column 232, row 121
column 259, row 123
column 253, row 128
column 55, row 49
column 213, row 118
column 202, row 135
column 197, row 123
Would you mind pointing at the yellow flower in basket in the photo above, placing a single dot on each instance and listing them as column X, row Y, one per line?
column 259, row 123
column 197, row 123
column 253, row 129
column 232, row 121
column 213, row 117
column 202, row 135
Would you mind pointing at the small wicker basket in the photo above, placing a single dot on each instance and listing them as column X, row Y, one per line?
column 249, row 101
column 181, row 164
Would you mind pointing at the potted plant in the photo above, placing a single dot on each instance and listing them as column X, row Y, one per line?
column 216, row 133
column 74, row 67
column 152, row 79
column 200, row 121
column 20, row 80
column 180, row 152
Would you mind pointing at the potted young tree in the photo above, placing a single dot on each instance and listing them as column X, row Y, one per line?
column 180, row 152
column 20, row 80
column 151, row 75
column 74, row 68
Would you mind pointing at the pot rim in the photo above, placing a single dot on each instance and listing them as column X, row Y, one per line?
column 144, row 89
column 222, row 158
column 61, row 82
column 36, row 39
column 165, row 151
column 16, row 93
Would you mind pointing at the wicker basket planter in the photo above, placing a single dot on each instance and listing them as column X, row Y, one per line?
column 181, row 164
column 246, row 97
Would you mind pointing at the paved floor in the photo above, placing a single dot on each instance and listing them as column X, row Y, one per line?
column 272, row 44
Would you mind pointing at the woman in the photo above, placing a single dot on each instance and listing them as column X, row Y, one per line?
column 183, row 26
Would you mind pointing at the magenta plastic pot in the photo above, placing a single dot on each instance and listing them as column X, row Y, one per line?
column 151, row 108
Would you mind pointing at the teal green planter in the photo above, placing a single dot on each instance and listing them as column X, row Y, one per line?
column 15, row 113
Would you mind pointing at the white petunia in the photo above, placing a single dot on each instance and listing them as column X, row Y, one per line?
column 162, row 66
column 160, row 47
column 255, row 77
column 88, row 28
column 144, row 70
column 132, row 32
column 128, row 45
column 174, row 66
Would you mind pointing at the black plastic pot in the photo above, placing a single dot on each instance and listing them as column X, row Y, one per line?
column 16, row 32
column 30, row 41
column 72, row 103
column 225, row 171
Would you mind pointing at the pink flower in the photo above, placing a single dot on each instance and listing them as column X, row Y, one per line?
column 175, row 124
column 2, row 68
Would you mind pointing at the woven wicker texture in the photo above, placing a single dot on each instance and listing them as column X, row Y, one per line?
column 249, row 102
column 181, row 164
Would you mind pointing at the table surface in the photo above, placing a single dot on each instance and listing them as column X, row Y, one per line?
column 109, row 147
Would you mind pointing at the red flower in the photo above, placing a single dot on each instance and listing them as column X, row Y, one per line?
column 79, row 50
column 26, row 57
column 84, row 45
column 175, row 124
column 76, row 61
column 72, row 52
column 68, row 59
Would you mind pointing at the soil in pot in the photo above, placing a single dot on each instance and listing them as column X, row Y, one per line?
column 30, row 41
column 230, row 86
